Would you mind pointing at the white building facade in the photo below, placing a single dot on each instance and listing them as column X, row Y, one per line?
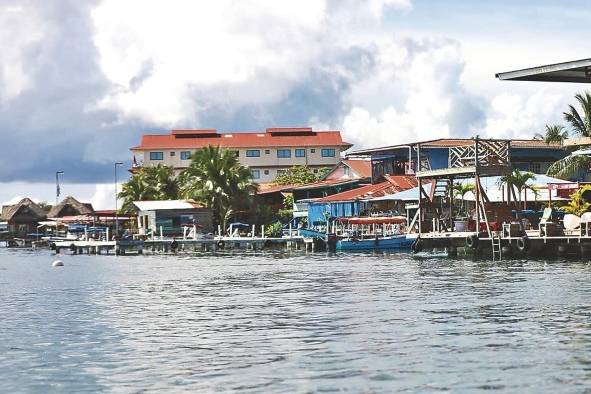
column 267, row 153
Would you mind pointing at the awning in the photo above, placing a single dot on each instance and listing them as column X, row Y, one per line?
column 373, row 220
column 574, row 71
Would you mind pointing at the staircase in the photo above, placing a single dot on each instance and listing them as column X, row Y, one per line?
column 440, row 188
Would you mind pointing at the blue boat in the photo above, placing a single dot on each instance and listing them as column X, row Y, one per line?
column 396, row 242
column 371, row 233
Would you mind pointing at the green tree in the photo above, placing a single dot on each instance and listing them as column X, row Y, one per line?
column 297, row 175
column 461, row 189
column 519, row 181
column 216, row 178
column 554, row 133
column 580, row 122
column 569, row 167
column 163, row 182
column 286, row 213
column 577, row 205
column 149, row 183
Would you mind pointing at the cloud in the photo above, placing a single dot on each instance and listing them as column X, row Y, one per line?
column 427, row 98
column 81, row 81
column 514, row 115
column 377, row 7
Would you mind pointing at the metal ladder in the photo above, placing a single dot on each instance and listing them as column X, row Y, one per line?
column 497, row 253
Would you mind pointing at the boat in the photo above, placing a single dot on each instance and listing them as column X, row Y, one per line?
column 371, row 233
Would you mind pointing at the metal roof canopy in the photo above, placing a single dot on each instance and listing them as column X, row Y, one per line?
column 574, row 71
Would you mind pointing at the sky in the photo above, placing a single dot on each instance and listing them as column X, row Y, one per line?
column 81, row 81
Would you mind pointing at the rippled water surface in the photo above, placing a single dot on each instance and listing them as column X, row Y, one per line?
column 281, row 323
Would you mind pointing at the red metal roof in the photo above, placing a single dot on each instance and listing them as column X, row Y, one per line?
column 393, row 184
column 361, row 167
column 276, row 137
column 270, row 188
column 403, row 182
column 326, row 183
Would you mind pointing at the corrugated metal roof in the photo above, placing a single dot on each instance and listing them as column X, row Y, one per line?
column 166, row 205
column 393, row 184
column 326, row 183
column 452, row 142
column 361, row 167
column 490, row 185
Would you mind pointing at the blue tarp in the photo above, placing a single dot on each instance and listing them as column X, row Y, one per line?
column 319, row 212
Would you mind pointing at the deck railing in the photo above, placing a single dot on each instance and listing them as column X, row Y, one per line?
column 482, row 153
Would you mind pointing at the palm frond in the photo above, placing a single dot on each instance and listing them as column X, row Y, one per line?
column 569, row 167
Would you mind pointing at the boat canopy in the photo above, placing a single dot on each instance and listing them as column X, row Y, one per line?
column 373, row 220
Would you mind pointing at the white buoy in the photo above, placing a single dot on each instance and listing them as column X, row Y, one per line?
column 58, row 263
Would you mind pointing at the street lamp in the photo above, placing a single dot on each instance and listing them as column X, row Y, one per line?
column 116, row 214
column 57, row 185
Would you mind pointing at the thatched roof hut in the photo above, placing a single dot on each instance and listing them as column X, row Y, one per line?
column 23, row 216
column 70, row 207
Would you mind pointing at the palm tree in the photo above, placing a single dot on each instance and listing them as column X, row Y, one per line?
column 162, row 180
column 575, row 163
column 519, row 181
column 580, row 124
column 461, row 189
column 149, row 183
column 216, row 178
column 135, row 189
column 569, row 167
column 554, row 133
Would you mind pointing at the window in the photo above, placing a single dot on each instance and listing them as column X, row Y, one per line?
column 237, row 153
column 186, row 155
column 280, row 172
column 312, row 150
column 172, row 154
column 327, row 152
column 315, row 170
column 300, row 153
column 253, row 153
column 156, row 156
column 267, row 151
column 283, row 153
column 256, row 174
column 266, row 172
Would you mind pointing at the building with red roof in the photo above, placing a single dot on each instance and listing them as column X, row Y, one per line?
column 267, row 153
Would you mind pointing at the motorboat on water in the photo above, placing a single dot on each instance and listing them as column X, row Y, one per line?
column 371, row 233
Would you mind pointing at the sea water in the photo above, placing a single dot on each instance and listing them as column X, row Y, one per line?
column 273, row 322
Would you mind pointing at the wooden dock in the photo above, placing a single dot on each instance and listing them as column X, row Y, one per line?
column 173, row 245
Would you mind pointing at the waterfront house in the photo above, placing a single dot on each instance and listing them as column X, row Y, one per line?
column 70, row 207
column 267, row 153
column 24, row 217
column 353, row 202
column 170, row 216
column 526, row 155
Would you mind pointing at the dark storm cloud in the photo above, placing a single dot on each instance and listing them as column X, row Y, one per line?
column 50, row 125
column 323, row 96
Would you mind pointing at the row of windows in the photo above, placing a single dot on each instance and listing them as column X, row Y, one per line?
column 281, row 153
column 185, row 155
